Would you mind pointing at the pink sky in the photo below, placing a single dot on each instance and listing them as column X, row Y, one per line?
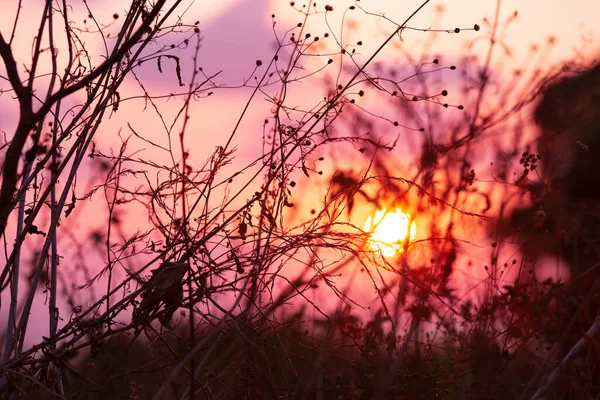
column 235, row 33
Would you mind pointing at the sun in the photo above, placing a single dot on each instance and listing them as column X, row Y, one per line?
column 389, row 231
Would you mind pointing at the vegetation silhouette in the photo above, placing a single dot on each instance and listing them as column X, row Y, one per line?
column 234, row 282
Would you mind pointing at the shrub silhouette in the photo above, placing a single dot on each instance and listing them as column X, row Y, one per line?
column 253, row 296
column 563, row 221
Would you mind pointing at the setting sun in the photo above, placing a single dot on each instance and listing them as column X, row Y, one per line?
column 389, row 231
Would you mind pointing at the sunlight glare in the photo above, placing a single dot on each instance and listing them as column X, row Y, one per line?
column 389, row 231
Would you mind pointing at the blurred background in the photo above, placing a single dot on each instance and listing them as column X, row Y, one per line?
column 475, row 126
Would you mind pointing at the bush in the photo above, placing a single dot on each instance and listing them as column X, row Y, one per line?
column 179, row 257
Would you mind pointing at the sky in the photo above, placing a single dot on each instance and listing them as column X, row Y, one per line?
column 236, row 33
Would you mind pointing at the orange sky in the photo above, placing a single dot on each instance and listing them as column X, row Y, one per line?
column 238, row 32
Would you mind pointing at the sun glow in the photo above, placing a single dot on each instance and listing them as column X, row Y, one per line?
column 390, row 231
